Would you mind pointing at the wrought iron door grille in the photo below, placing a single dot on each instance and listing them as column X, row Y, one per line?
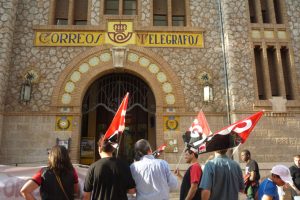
column 112, row 88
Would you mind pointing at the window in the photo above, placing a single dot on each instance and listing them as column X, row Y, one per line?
column 113, row 7
column 178, row 13
column 65, row 15
column 160, row 13
column 259, row 72
column 252, row 11
column 271, row 11
column 160, row 20
column 278, row 11
column 80, row 12
column 161, row 16
column 274, row 78
column 129, row 7
column 265, row 11
column 61, row 12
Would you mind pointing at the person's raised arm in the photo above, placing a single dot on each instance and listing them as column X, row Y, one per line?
column 27, row 189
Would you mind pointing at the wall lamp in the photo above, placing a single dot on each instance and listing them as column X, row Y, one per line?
column 26, row 88
column 207, row 93
column 205, row 80
column 30, row 77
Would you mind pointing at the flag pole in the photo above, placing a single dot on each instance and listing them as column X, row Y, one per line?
column 119, row 144
column 235, row 149
column 180, row 157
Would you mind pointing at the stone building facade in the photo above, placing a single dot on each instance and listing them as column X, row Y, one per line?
column 238, row 56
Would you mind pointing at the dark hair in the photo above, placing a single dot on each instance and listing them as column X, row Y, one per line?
column 247, row 152
column 191, row 152
column 141, row 148
column 222, row 152
column 275, row 175
column 105, row 145
column 59, row 160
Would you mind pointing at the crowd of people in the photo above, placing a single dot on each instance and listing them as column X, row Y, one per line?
column 150, row 178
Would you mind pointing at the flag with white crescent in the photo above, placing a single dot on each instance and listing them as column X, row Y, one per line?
column 230, row 136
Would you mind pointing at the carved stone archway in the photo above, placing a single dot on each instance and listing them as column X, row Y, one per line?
column 91, row 65
column 87, row 67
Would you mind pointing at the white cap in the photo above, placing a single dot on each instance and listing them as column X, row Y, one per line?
column 283, row 172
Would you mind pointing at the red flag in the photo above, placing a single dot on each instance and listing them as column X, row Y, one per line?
column 243, row 127
column 199, row 130
column 200, row 125
column 230, row 136
column 159, row 150
column 118, row 123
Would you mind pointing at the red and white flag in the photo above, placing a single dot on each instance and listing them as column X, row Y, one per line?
column 200, row 125
column 118, row 123
column 199, row 130
column 243, row 127
column 159, row 150
column 230, row 136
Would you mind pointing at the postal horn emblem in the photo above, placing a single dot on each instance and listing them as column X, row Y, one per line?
column 119, row 35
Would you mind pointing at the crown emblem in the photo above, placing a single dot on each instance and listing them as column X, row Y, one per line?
column 120, row 28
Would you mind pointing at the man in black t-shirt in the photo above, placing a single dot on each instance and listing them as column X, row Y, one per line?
column 252, row 176
column 108, row 178
column 295, row 173
column 192, row 177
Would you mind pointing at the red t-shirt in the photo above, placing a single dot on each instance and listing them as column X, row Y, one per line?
column 195, row 173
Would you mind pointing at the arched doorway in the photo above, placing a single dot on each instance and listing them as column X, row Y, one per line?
column 99, row 105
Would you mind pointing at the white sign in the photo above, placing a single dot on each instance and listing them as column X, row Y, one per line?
column 13, row 178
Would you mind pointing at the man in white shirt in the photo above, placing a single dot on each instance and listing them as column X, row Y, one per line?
column 152, row 176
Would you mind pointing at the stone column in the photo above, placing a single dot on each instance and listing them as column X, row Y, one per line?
column 71, row 12
column 271, row 11
column 169, row 4
column 237, row 54
column 52, row 7
column 258, row 11
column 293, row 19
column 267, row 82
column 280, row 76
column 145, row 12
column 94, row 18
column 8, row 10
